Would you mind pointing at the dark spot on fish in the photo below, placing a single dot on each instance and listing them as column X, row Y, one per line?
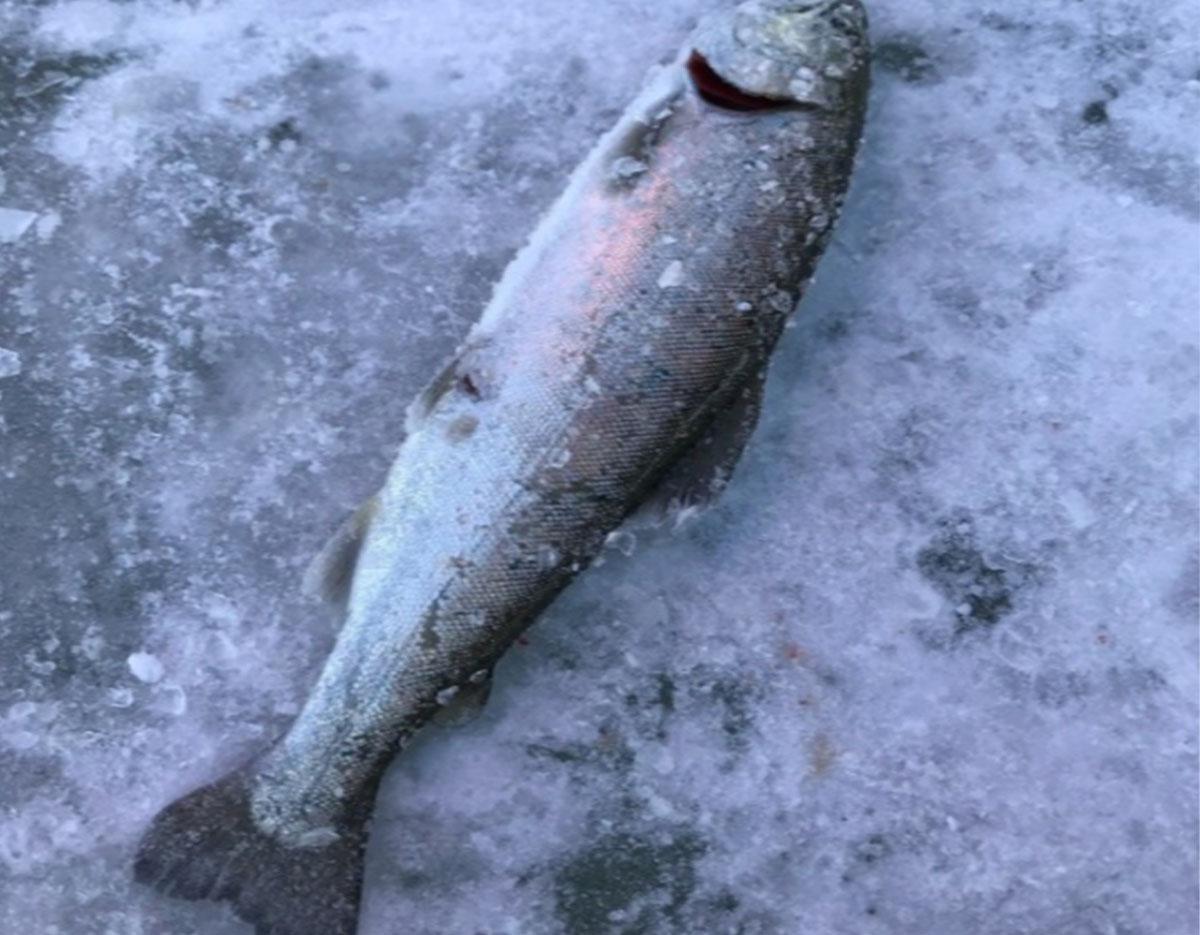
column 715, row 90
column 1096, row 113
column 462, row 428
column 467, row 384
column 905, row 58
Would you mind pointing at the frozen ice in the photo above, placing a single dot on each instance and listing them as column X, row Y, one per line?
column 928, row 666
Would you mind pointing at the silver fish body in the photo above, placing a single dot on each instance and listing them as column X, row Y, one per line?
column 635, row 324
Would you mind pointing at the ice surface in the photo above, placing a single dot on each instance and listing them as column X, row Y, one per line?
column 928, row 667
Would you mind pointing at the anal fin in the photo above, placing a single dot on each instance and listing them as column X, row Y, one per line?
column 701, row 473
column 331, row 572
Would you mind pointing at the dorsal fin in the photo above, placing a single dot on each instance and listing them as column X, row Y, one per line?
column 331, row 572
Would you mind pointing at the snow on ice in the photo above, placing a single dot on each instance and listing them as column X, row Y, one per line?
column 928, row 667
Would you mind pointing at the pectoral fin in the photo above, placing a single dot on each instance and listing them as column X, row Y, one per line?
column 438, row 387
column 699, row 476
column 331, row 572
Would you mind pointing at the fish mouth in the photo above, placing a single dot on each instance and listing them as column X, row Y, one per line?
column 767, row 54
column 715, row 90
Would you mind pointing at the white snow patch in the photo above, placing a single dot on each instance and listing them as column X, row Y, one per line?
column 13, row 223
column 146, row 667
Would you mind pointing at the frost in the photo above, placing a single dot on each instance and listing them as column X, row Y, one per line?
column 317, row 837
column 929, row 663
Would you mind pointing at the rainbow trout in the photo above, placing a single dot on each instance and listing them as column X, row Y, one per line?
column 620, row 361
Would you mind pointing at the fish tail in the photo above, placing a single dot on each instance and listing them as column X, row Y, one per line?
column 207, row 845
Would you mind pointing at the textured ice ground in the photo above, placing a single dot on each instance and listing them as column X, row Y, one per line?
column 929, row 667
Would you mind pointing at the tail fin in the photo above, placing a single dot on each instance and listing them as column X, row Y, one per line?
column 206, row 845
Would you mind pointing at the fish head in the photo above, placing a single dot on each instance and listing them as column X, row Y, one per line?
column 776, row 53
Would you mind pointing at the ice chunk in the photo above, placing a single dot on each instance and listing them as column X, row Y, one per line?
column 622, row 540
column 627, row 167
column 317, row 837
column 146, row 667
column 672, row 276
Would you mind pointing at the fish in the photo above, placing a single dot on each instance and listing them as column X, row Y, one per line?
column 617, row 370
